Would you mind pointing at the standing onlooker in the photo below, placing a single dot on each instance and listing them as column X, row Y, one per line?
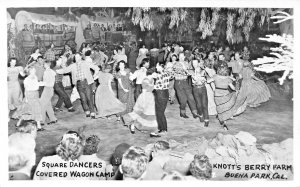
column 45, row 100
column 246, row 53
column 133, row 54
column 83, row 79
column 227, row 53
column 119, row 56
column 142, row 55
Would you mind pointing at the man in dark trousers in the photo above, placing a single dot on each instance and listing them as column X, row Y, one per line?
column 161, row 94
column 182, row 88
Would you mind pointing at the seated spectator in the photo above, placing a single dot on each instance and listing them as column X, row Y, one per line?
column 21, row 154
column 69, row 163
column 91, row 145
column 200, row 167
column 134, row 164
column 173, row 176
column 116, row 160
column 160, row 155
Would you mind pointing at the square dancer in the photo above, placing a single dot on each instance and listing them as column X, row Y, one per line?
column 182, row 88
column 83, row 79
column 48, row 91
column 161, row 94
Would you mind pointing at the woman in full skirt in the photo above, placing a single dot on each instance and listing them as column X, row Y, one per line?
column 106, row 102
column 143, row 114
column 125, row 88
column 228, row 102
column 253, row 88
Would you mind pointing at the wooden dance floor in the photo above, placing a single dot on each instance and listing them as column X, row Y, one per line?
column 270, row 123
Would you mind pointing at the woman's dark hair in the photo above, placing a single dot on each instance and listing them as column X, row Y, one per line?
column 175, row 56
column 172, row 50
column 50, row 45
column 40, row 56
column 91, row 145
column 119, row 48
column 223, row 70
column 141, row 45
column 74, row 58
column 83, row 45
column 88, row 53
column 10, row 59
column 237, row 52
column 232, row 55
column 96, row 49
column 150, row 71
column 202, row 56
column 73, row 51
column 144, row 61
column 66, row 45
column 118, row 65
column 195, row 50
column 34, row 49
column 221, row 54
column 162, row 64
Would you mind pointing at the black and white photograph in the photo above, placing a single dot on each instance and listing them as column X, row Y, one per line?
column 158, row 93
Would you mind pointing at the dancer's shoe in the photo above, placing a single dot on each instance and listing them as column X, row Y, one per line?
column 184, row 116
column 225, row 127
column 162, row 133
column 132, row 128
column 154, row 135
column 195, row 115
column 201, row 119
